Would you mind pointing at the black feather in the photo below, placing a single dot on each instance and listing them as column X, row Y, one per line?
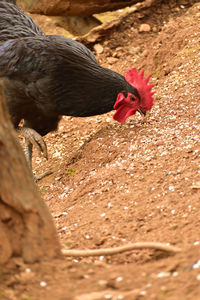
column 15, row 23
column 49, row 76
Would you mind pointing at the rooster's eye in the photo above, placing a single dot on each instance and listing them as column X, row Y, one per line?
column 132, row 98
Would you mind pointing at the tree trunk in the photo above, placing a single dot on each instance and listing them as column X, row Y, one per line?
column 73, row 7
column 26, row 226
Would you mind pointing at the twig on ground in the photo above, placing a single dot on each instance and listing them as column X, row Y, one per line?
column 129, row 247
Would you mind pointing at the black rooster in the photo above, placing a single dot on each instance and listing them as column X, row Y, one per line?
column 46, row 77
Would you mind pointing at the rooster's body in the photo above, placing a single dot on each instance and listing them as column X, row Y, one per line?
column 46, row 77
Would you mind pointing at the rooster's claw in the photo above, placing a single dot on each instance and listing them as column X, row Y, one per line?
column 35, row 139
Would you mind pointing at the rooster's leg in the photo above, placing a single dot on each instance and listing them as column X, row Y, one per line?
column 32, row 138
column 28, row 152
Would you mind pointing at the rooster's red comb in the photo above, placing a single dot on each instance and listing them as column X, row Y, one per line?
column 141, row 84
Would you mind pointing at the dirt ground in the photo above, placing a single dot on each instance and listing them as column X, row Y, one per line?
column 114, row 184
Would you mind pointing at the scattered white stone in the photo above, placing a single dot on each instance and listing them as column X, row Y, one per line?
column 196, row 265
column 198, row 277
column 56, row 154
column 108, row 296
column 108, row 120
column 173, row 211
column 43, row 283
column 120, row 278
column 103, row 215
column 196, row 243
column 171, row 188
column 163, row 274
column 87, row 237
column 143, row 293
column 27, row 270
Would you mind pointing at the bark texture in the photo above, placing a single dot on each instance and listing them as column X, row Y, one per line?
column 26, row 226
column 73, row 7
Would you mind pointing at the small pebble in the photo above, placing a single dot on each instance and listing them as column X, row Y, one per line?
column 143, row 293
column 108, row 296
column 98, row 48
column 198, row 277
column 144, row 28
column 196, row 265
column 196, row 243
column 120, row 278
column 103, row 283
column 163, row 274
column 112, row 60
column 64, row 213
column 171, row 188
column 27, row 270
column 43, row 283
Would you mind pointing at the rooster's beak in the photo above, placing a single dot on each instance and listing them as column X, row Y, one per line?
column 142, row 112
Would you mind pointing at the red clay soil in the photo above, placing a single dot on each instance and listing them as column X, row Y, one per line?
column 114, row 184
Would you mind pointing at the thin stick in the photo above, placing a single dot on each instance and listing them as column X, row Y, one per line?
column 129, row 247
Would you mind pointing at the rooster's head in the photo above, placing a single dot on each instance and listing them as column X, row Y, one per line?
column 141, row 100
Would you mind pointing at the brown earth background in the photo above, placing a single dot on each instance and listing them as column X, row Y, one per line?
column 113, row 184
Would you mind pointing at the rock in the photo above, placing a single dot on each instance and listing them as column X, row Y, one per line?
column 134, row 50
column 144, row 28
column 112, row 60
column 78, row 25
column 98, row 48
column 25, row 277
column 103, row 283
column 73, row 7
column 145, row 53
column 155, row 29
column 74, row 25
